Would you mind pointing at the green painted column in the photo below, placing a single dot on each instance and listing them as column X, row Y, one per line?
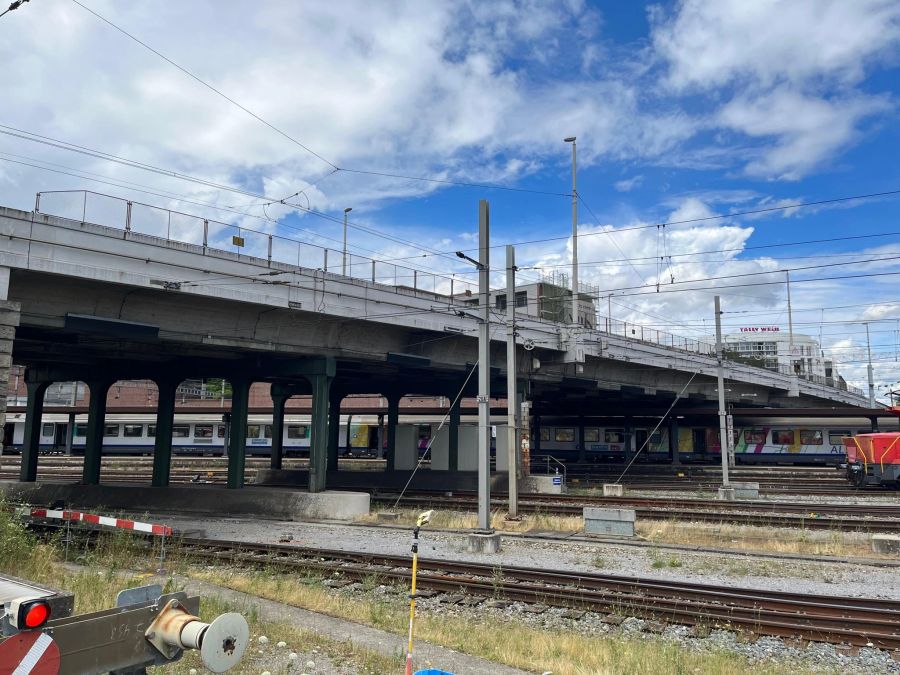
column 393, row 417
column 165, row 420
column 673, row 441
column 279, row 400
column 318, row 446
column 453, row 435
column 334, row 428
column 31, row 444
column 237, row 448
column 93, row 444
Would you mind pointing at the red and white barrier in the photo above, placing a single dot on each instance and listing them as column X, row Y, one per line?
column 105, row 521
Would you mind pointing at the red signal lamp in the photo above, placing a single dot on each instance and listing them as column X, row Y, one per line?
column 28, row 613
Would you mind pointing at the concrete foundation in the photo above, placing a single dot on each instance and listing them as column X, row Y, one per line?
column 726, row 494
column 483, row 542
column 609, row 521
column 551, row 484
column 745, row 490
column 886, row 543
column 613, row 490
column 282, row 504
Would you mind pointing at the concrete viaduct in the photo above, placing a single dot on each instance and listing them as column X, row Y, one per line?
column 95, row 303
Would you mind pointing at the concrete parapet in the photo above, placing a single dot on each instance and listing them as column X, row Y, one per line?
column 206, row 500
column 613, row 490
column 726, row 494
column 483, row 542
column 745, row 490
column 552, row 484
column 609, row 521
column 886, row 543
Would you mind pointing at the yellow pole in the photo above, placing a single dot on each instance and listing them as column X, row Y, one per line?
column 423, row 519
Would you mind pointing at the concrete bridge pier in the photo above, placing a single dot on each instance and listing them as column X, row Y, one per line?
column 393, row 415
column 32, row 442
column 334, row 427
column 279, row 400
column 165, row 419
column 93, row 444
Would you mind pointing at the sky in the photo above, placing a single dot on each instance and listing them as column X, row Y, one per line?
column 719, row 112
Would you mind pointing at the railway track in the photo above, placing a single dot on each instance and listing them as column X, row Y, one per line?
column 834, row 619
column 874, row 518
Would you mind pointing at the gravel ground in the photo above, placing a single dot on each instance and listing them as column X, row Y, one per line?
column 724, row 569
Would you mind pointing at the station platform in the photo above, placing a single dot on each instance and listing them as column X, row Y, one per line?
column 259, row 501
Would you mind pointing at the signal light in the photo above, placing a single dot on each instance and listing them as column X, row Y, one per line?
column 28, row 614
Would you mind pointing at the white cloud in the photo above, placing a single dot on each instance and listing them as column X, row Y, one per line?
column 629, row 184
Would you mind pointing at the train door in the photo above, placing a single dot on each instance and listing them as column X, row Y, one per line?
column 60, row 435
column 699, row 438
column 372, row 445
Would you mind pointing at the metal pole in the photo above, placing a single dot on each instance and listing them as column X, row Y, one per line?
column 609, row 308
column 871, row 374
column 484, row 369
column 720, row 373
column 574, row 238
column 790, row 325
column 344, row 263
column 512, row 398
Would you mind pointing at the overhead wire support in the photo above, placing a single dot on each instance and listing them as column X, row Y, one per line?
column 15, row 5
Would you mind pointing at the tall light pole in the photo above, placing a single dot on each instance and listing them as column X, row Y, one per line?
column 871, row 374
column 571, row 139
column 720, row 377
column 344, row 265
column 512, row 389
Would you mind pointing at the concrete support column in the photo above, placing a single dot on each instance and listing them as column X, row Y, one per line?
column 379, row 451
column 318, row 447
column 453, row 435
column 31, row 443
column 579, row 440
column 334, row 428
column 630, row 446
column 279, row 400
column 673, row 441
column 93, row 443
column 393, row 417
column 874, row 422
column 70, row 431
column 165, row 420
column 237, row 433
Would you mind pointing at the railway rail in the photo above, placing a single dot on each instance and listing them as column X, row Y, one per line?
column 834, row 619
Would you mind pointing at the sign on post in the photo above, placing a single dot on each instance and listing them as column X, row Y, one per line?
column 29, row 653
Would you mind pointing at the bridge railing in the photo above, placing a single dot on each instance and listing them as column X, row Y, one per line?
column 86, row 206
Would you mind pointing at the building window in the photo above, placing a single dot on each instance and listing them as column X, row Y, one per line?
column 110, row 430
column 203, row 430
column 522, row 299
column 133, row 430
column 500, row 303
column 565, row 435
column 783, row 437
column 181, row 431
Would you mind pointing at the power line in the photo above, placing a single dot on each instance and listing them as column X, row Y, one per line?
column 15, row 5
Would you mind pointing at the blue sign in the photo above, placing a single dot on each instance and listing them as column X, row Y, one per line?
column 557, row 480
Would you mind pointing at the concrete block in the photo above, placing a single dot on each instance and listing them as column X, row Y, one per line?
column 483, row 542
column 502, row 443
column 613, row 490
column 618, row 522
column 726, row 494
column 886, row 543
column 440, row 448
column 745, row 490
column 387, row 516
column 284, row 504
column 551, row 484
column 407, row 451
column 468, row 447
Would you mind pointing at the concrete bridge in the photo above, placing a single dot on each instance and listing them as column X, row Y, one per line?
column 105, row 302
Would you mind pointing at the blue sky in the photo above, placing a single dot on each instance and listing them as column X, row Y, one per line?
column 682, row 110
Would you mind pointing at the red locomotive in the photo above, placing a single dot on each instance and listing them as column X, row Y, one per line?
column 873, row 459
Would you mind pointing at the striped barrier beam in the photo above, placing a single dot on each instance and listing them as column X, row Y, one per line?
column 104, row 521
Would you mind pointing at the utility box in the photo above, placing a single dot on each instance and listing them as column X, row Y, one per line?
column 618, row 522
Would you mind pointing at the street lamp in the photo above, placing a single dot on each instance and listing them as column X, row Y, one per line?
column 344, row 265
column 571, row 139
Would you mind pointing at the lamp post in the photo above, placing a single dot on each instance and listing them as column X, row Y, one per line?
column 571, row 139
column 344, row 265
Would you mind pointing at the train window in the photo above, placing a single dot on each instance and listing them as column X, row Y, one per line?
column 656, row 438
column 267, row 431
column 615, row 436
column 252, row 431
column 591, row 435
column 181, row 431
column 755, row 435
column 811, row 437
column 81, row 430
column 836, row 436
column 47, row 429
column 783, row 437
column 133, row 430
column 565, row 435
column 220, row 431
column 151, row 431
column 110, row 430
column 203, row 430
column 545, row 434
column 297, row 431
